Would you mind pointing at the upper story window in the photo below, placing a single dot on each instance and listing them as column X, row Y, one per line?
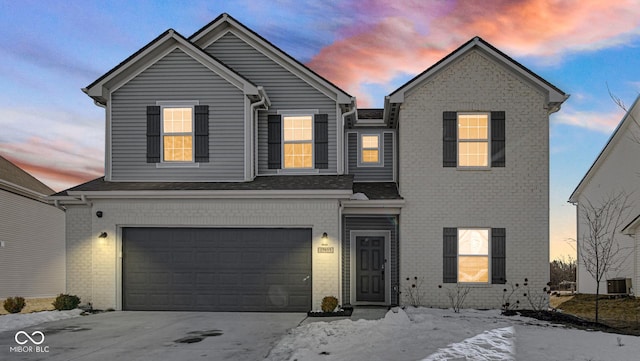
column 369, row 149
column 473, row 255
column 177, row 134
column 298, row 141
column 473, row 140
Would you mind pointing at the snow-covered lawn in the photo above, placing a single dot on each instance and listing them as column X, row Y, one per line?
column 434, row 334
column 22, row 320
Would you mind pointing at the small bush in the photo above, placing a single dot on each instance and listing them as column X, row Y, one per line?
column 14, row 304
column 329, row 304
column 66, row 302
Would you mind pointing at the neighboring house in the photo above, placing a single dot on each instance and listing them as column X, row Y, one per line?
column 616, row 171
column 32, row 252
column 239, row 179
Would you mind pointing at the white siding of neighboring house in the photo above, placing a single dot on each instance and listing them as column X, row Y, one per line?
column 619, row 171
column 32, row 261
column 515, row 197
column 94, row 264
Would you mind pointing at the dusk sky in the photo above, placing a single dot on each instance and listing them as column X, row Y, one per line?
column 51, row 49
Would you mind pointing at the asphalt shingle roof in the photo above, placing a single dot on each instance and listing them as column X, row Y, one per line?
column 11, row 173
column 378, row 190
column 298, row 182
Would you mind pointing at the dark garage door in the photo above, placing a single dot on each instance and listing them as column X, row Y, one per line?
column 216, row 269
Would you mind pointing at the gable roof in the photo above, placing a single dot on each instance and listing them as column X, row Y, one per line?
column 632, row 227
column 207, row 35
column 15, row 180
column 555, row 96
column 632, row 115
column 152, row 52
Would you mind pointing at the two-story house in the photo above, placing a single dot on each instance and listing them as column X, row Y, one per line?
column 236, row 178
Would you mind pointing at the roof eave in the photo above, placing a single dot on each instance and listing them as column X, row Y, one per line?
column 218, row 194
column 603, row 153
column 99, row 91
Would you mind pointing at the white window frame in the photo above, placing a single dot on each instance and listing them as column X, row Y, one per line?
column 298, row 113
column 178, row 104
column 488, row 141
column 380, row 162
column 459, row 229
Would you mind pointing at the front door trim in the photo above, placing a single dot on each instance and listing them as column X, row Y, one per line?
column 352, row 262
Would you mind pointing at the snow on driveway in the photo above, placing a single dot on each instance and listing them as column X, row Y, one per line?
column 21, row 320
column 434, row 335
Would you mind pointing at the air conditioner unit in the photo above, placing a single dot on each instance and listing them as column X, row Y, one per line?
column 620, row 286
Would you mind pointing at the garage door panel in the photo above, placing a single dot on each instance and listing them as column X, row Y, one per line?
column 226, row 269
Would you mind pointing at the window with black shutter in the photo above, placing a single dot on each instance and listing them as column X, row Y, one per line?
column 473, row 140
column 474, row 255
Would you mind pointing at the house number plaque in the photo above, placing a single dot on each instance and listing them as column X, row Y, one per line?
column 325, row 249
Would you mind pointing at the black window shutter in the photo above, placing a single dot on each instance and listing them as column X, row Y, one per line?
column 450, row 255
column 498, row 256
column 274, row 135
column 497, row 139
column 321, row 139
column 202, row 133
column 449, row 139
column 153, row 134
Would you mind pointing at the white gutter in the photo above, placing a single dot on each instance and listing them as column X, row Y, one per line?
column 341, row 134
column 264, row 100
column 22, row 191
column 210, row 194
column 340, row 253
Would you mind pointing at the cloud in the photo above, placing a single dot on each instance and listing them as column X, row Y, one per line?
column 603, row 122
column 60, row 148
column 55, row 164
column 408, row 37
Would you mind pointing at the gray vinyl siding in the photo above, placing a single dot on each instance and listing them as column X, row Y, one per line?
column 285, row 90
column 32, row 261
column 375, row 173
column 370, row 223
column 177, row 76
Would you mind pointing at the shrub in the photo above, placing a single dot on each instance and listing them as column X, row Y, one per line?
column 66, row 302
column 14, row 304
column 329, row 304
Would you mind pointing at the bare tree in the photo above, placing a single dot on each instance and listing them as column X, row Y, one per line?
column 634, row 129
column 598, row 247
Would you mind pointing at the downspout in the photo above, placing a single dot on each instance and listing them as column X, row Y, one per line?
column 264, row 100
column 340, row 263
column 341, row 135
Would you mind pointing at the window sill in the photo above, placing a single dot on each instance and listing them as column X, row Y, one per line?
column 178, row 165
column 298, row 171
column 473, row 168
column 475, row 285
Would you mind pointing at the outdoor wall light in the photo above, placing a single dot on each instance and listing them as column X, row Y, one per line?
column 99, row 214
column 325, row 239
column 103, row 235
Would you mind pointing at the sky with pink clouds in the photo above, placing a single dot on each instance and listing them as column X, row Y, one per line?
column 368, row 47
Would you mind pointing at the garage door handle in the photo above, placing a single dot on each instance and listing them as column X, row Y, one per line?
column 306, row 278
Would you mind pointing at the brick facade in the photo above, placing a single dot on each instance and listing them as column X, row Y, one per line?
column 515, row 197
column 94, row 264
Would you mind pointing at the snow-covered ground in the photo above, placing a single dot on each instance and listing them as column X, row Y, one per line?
column 434, row 334
column 22, row 320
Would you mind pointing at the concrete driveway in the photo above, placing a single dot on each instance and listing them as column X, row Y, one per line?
column 153, row 336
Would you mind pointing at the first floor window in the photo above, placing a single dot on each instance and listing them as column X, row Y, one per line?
column 473, row 140
column 473, row 255
column 298, row 141
column 370, row 149
column 177, row 134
